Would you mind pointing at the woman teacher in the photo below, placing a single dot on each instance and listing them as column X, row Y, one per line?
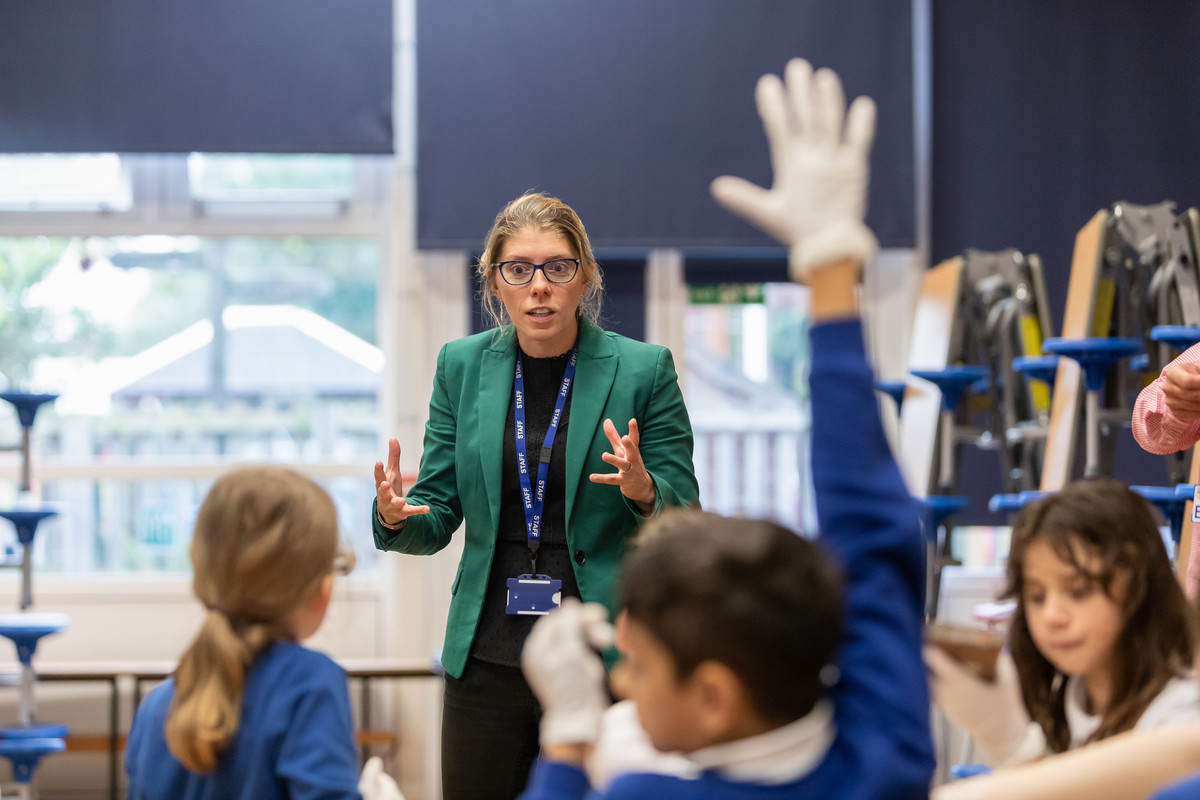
column 523, row 443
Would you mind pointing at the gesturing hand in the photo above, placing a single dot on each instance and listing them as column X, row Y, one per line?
column 631, row 475
column 393, row 507
column 819, row 154
column 1181, row 389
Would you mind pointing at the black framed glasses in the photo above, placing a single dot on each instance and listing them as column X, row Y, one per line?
column 519, row 273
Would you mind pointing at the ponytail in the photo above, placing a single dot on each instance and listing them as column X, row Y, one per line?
column 265, row 539
column 205, row 711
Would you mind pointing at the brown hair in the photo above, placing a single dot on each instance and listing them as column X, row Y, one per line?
column 749, row 594
column 544, row 213
column 265, row 539
column 1103, row 518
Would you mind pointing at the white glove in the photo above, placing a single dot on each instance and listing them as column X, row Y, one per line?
column 819, row 154
column 565, row 671
column 623, row 747
column 993, row 713
column 375, row 784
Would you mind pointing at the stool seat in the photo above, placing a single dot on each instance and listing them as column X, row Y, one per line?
column 940, row 506
column 26, row 520
column 26, row 629
column 894, row 390
column 1094, row 354
column 1181, row 337
column 1039, row 368
column 26, row 404
column 1185, row 490
column 1140, row 362
column 951, row 381
column 1015, row 502
column 44, row 730
column 1168, row 501
column 25, row 754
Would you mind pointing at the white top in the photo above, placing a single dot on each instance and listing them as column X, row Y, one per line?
column 778, row 756
column 1179, row 701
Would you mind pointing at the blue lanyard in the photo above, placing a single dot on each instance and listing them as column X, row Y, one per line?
column 535, row 501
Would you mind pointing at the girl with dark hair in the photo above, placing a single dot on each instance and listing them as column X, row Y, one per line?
column 1101, row 640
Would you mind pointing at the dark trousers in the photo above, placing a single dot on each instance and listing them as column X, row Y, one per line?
column 489, row 733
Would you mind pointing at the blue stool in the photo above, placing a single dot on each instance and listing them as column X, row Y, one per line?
column 1094, row 355
column 25, row 630
column 1037, row 368
column 1014, row 502
column 1140, row 363
column 936, row 509
column 951, row 381
column 25, row 755
column 1180, row 337
column 1168, row 500
column 27, row 406
column 894, row 390
column 26, row 522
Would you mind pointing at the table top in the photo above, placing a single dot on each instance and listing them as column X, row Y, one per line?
column 147, row 670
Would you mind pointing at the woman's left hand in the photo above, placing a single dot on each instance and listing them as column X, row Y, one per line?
column 631, row 475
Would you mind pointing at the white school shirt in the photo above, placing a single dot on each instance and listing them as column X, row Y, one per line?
column 1179, row 701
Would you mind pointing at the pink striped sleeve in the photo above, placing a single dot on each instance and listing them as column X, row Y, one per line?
column 1154, row 426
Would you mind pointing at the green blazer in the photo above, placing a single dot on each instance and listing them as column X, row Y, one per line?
column 460, row 473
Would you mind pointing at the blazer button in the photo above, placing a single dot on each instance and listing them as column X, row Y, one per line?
column 580, row 557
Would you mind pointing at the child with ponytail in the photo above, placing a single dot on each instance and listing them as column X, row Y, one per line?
column 249, row 712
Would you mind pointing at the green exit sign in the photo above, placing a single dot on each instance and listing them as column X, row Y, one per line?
column 725, row 294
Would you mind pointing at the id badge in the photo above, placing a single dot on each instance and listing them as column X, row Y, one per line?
column 1196, row 504
column 533, row 594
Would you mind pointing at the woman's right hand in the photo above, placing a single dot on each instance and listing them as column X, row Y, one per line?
column 389, row 492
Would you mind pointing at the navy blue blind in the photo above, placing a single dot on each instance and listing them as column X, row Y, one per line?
column 269, row 76
column 627, row 109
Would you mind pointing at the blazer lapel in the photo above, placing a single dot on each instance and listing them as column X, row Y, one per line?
column 593, row 381
column 495, row 396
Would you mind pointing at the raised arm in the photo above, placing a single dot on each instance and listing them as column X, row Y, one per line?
column 1131, row 766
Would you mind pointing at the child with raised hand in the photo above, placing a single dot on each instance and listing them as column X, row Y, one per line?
column 249, row 712
column 779, row 667
column 1101, row 639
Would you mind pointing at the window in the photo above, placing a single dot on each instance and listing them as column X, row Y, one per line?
column 71, row 182
column 745, row 376
column 175, row 356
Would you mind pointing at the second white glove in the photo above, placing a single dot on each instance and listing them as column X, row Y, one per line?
column 993, row 713
column 565, row 671
column 375, row 784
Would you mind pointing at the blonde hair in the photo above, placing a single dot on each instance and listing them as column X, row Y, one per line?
column 265, row 539
column 544, row 213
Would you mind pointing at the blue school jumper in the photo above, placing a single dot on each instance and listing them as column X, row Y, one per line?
column 1187, row 789
column 295, row 739
column 882, row 748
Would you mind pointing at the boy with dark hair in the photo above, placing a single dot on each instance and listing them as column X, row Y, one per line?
column 729, row 626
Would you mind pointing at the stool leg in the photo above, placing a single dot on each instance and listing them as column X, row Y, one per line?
column 946, row 465
column 27, row 701
column 1092, row 427
column 933, row 577
column 26, row 575
column 26, row 483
